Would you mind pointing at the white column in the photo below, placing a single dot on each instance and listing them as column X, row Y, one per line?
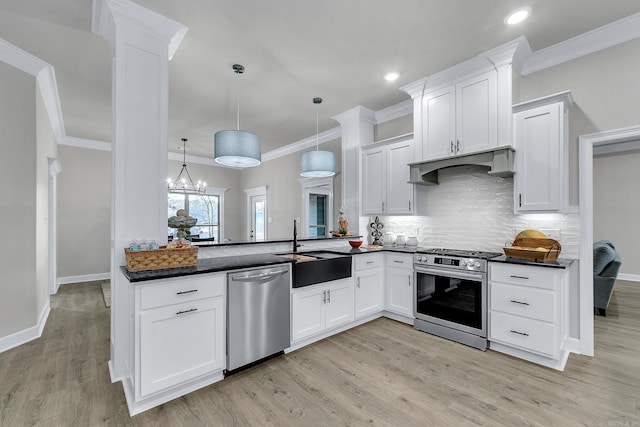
column 357, row 130
column 142, row 44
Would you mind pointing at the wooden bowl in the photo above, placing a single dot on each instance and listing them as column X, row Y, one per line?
column 355, row 243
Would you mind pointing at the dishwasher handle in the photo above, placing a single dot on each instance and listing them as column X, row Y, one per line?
column 260, row 277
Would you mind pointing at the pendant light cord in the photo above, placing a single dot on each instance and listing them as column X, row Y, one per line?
column 317, row 101
column 238, row 96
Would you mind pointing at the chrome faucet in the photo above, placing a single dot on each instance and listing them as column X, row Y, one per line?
column 295, row 238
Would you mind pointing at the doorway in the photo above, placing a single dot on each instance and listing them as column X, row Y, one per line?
column 586, row 146
column 256, row 230
column 317, row 207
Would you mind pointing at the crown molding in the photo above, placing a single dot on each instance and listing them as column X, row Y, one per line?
column 45, row 78
column 565, row 97
column 21, row 59
column 303, row 144
column 90, row 144
column 609, row 35
column 106, row 15
column 193, row 159
column 400, row 109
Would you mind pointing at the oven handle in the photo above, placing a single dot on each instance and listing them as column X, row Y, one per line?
column 450, row 273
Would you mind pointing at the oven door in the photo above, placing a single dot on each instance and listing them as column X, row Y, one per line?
column 455, row 299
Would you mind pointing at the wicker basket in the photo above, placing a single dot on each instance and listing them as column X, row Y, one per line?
column 161, row 258
column 531, row 248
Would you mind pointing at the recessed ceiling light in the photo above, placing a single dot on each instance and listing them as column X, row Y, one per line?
column 517, row 16
column 391, row 76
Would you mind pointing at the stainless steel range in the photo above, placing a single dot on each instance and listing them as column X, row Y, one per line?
column 451, row 294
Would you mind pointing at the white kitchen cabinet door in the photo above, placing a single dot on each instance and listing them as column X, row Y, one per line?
column 339, row 305
column 477, row 114
column 439, row 124
column 180, row 342
column 399, row 191
column 368, row 292
column 373, row 181
column 540, row 159
column 308, row 312
column 399, row 286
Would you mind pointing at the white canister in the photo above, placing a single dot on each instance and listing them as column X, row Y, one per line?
column 412, row 241
column 401, row 239
column 389, row 238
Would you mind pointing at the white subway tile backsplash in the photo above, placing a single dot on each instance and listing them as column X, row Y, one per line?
column 473, row 210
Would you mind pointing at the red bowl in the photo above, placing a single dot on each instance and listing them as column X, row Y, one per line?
column 355, row 243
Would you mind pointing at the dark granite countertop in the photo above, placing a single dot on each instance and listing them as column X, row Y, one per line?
column 560, row 263
column 207, row 265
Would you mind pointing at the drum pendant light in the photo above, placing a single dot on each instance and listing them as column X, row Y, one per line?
column 316, row 164
column 237, row 148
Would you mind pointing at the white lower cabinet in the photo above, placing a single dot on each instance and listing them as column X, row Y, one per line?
column 317, row 308
column 180, row 331
column 399, row 284
column 528, row 312
column 369, row 274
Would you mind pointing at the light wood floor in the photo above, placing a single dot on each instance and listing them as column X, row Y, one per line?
column 383, row 373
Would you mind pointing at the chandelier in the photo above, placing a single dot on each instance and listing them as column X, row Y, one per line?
column 183, row 184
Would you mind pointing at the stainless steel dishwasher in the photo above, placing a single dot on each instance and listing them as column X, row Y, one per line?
column 258, row 314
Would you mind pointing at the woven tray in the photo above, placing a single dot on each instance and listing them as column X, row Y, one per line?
column 534, row 249
column 161, row 258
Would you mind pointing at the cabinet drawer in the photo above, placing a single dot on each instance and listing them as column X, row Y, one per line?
column 534, row 303
column 539, row 277
column 185, row 289
column 363, row 262
column 528, row 334
column 400, row 260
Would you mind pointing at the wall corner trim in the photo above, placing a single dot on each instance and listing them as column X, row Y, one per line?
column 26, row 335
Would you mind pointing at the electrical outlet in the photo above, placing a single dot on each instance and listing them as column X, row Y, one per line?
column 551, row 233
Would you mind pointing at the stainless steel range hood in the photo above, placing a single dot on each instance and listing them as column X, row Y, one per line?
column 498, row 160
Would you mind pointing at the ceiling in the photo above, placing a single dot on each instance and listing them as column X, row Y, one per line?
column 293, row 51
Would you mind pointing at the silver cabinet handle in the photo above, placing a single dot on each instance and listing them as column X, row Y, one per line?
column 398, row 261
column 409, row 204
column 329, row 295
column 451, row 150
column 187, row 311
column 520, row 277
column 458, row 149
column 358, row 282
column 324, row 297
column 382, row 206
column 369, row 262
column 520, row 199
column 519, row 333
column 409, row 281
column 187, row 292
column 519, row 302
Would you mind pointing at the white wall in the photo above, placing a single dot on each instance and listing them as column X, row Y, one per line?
column 281, row 177
column 18, row 298
column 605, row 88
column 616, row 211
column 84, row 212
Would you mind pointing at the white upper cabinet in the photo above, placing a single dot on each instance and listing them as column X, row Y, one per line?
column 385, row 179
column 466, row 108
column 461, row 119
column 541, row 142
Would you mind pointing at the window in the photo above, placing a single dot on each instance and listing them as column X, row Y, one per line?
column 205, row 208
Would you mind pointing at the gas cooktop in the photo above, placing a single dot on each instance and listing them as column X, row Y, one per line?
column 458, row 253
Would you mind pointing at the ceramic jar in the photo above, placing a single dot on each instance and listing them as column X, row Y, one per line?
column 389, row 238
column 412, row 241
column 401, row 239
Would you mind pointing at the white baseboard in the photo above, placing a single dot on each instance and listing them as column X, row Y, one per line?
column 26, row 335
column 630, row 277
column 81, row 278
